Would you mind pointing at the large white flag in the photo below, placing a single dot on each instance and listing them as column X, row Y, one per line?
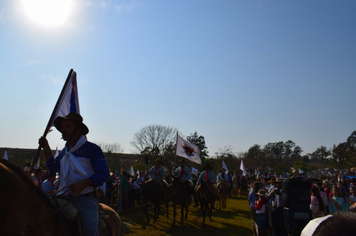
column 225, row 167
column 69, row 102
column 242, row 167
column 5, row 156
column 188, row 150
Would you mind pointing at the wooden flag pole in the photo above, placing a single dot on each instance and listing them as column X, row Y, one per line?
column 51, row 119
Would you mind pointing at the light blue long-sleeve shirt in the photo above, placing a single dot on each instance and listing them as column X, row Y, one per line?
column 159, row 173
column 222, row 176
column 186, row 175
column 211, row 176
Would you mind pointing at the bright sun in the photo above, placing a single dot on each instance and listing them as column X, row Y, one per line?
column 48, row 13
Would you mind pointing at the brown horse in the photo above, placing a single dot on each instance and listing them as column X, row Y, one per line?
column 223, row 193
column 207, row 199
column 235, row 186
column 180, row 196
column 26, row 210
column 155, row 194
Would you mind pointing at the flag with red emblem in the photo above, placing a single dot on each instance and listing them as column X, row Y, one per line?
column 188, row 150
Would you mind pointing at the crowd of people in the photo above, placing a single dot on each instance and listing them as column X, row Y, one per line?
column 267, row 200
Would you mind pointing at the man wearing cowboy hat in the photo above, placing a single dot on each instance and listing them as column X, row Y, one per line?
column 158, row 172
column 82, row 167
column 209, row 177
column 183, row 172
column 184, row 175
column 222, row 176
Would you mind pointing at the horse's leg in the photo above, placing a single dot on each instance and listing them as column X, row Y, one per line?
column 174, row 212
column 186, row 211
column 202, row 211
column 167, row 204
column 182, row 214
column 154, row 213
column 146, row 211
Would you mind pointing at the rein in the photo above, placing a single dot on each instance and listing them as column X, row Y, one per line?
column 32, row 227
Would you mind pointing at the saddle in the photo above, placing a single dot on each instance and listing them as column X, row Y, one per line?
column 69, row 216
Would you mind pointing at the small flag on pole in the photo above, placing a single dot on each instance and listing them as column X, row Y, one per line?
column 242, row 167
column 225, row 167
column 5, row 156
column 70, row 100
column 132, row 172
column 188, row 150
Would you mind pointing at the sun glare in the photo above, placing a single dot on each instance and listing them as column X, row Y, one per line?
column 48, row 12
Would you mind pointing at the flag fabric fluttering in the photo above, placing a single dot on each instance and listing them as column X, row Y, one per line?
column 300, row 171
column 70, row 99
column 132, row 171
column 242, row 167
column 5, row 156
column 225, row 167
column 188, row 150
column 57, row 153
column 194, row 171
column 67, row 102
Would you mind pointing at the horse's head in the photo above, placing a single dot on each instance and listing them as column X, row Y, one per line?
column 24, row 204
column 176, row 185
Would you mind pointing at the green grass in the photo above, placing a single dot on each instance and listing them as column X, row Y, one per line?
column 235, row 219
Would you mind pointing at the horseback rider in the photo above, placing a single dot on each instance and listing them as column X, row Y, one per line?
column 222, row 176
column 82, row 167
column 158, row 172
column 209, row 177
column 184, row 175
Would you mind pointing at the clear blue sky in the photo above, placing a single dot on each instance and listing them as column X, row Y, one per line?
column 239, row 72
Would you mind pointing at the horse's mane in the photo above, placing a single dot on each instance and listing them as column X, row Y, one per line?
column 27, row 180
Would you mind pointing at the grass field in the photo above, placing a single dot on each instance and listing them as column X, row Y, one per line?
column 235, row 219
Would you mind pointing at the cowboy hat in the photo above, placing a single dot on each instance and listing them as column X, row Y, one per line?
column 158, row 160
column 71, row 116
column 223, row 169
column 261, row 193
column 182, row 161
column 272, row 180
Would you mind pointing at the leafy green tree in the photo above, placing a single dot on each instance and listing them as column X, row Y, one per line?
column 199, row 140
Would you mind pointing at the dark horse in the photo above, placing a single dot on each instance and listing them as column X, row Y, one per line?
column 207, row 199
column 155, row 194
column 180, row 194
column 26, row 210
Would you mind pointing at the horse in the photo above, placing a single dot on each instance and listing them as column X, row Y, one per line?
column 26, row 210
column 180, row 196
column 155, row 194
column 223, row 193
column 207, row 199
column 243, row 187
column 235, row 186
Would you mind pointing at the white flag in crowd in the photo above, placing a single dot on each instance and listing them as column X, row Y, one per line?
column 132, row 172
column 242, row 167
column 188, row 150
column 225, row 167
column 5, row 156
